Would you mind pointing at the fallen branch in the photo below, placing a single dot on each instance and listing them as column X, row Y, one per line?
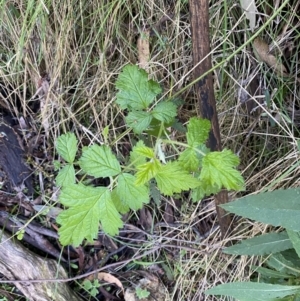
column 19, row 263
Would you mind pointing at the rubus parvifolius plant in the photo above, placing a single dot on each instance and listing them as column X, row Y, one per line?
column 187, row 166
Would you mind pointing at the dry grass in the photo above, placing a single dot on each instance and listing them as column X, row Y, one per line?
column 82, row 46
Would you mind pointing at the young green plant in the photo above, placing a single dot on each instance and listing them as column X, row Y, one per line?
column 192, row 165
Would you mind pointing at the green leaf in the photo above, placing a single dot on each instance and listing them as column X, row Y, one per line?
column 278, row 208
column 165, row 111
column 295, row 239
column 218, row 169
column 138, row 120
column 87, row 205
column 120, row 206
column 142, row 293
column 66, row 176
column 198, row 131
column 189, row 160
column 285, row 262
column 130, row 194
column 253, row 291
column 137, row 157
column 270, row 273
column 203, row 190
column 66, row 146
column 261, row 245
column 147, row 171
column 136, row 92
column 171, row 178
column 145, row 151
column 99, row 161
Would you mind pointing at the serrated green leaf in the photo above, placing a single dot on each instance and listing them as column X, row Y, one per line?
column 261, row 245
column 99, row 161
column 165, row 111
column 197, row 131
column 136, row 92
column 171, row 178
column 189, row 160
column 257, row 291
column 135, row 157
column 145, row 151
column 120, row 206
column 138, row 120
column 87, row 205
column 203, row 190
column 66, row 146
column 147, row 171
column 218, row 169
column 130, row 194
column 295, row 240
column 66, row 176
column 277, row 208
column 142, row 293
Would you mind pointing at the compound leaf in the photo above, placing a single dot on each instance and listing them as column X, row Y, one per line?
column 66, row 146
column 87, row 205
column 99, row 161
column 197, row 131
column 262, row 245
column 130, row 194
column 218, row 169
column 138, row 120
column 277, row 208
column 136, row 92
column 66, row 176
column 171, row 178
column 253, row 291
column 147, row 171
column 165, row 111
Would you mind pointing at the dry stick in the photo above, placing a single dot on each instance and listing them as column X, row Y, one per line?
column 199, row 15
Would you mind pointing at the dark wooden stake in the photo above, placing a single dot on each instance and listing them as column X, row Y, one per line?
column 199, row 16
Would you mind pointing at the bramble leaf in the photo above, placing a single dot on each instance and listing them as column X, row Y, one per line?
column 138, row 120
column 66, row 146
column 66, row 176
column 87, row 205
column 171, row 178
column 130, row 194
column 147, row 171
column 136, row 92
column 165, row 111
column 145, row 151
column 197, row 131
column 203, row 190
column 189, row 160
column 120, row 206
column 218, row 169
column 99, row 161
column 136, row 158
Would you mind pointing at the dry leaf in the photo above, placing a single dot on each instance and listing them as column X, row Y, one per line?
column 143, row 49
column 261, row 49
column 250, row 9
column 106, row 277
